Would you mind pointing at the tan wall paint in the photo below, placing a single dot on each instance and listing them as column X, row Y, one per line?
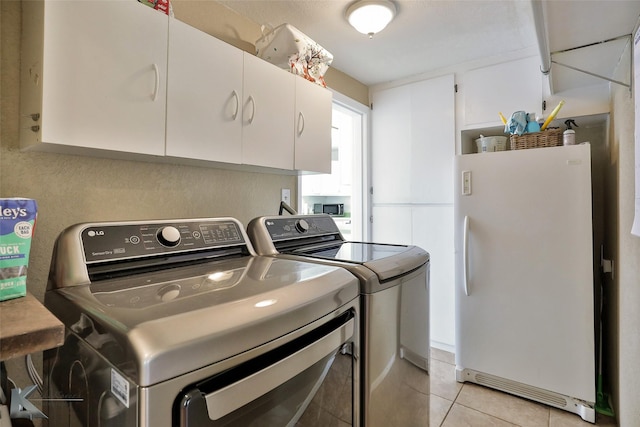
column 219, row 21
column 347, row 85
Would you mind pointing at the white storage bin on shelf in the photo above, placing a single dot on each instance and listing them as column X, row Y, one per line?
column 489, row 144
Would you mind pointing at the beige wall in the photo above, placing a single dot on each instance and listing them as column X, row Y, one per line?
column 622, row 293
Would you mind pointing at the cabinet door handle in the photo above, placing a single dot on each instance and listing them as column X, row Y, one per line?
column 465, row 256
column 253, row 109
column 156, row 86
column 235, row 113
column 300, row 123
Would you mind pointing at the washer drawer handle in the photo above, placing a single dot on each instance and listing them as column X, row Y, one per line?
column 234, row 396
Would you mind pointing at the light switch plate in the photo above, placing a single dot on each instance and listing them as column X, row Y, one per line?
column 466, row 183
column 285, row 196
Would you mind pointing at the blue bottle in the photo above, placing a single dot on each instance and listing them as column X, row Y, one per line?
column 532, row 124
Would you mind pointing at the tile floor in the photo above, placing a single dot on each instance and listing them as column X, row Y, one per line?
column 455, row 404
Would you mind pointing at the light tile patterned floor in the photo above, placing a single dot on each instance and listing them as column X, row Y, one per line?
column 454, row 404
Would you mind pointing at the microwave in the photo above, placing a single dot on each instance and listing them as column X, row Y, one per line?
column 336, row 209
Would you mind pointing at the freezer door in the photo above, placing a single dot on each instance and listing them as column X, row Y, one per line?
column 524, row 267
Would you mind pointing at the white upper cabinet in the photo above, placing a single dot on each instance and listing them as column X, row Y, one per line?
column 119, row 78
column 267, row 115
column 506, row 87
column 94, row 75
column 226, row 105
column 312, row 127
column 204, row 95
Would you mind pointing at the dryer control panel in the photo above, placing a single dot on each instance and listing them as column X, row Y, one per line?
column 294, row 227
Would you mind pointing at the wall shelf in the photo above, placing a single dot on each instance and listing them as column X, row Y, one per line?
column 26, row 327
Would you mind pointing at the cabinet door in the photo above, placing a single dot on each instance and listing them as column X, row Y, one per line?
column 507, row 87
column 104, row 75
column 312, row 127
column 268, row 112
column 204, row 93
column 392, row 123
column 413, row 142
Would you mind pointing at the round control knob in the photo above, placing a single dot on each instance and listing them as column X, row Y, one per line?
column 302, row 226
column 169, row 236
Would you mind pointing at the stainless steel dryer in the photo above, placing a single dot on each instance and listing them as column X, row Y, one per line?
column 394, row 287
column 178, row 323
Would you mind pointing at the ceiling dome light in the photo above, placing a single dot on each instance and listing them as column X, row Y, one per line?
column 370, row 16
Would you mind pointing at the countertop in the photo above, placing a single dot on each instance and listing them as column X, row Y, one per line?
column 26, row 327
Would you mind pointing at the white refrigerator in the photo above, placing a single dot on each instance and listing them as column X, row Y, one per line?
column 524, row 275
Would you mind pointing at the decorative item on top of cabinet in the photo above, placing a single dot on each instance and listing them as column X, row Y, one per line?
column 86, row 83
column 289, row 48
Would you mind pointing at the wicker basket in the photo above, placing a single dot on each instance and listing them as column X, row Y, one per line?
column 546, row 138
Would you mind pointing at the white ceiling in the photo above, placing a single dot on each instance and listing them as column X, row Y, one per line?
column 429, row 35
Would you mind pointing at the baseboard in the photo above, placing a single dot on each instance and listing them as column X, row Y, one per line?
column 443, row 346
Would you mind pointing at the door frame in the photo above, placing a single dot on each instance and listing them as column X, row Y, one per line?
column 360, row 193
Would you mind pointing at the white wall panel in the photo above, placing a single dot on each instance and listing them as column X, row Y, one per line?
column 432, row 230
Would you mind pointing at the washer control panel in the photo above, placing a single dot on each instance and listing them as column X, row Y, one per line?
column 110, row 242
column 293, row 227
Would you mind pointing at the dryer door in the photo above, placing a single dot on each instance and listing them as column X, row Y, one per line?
column 309, row 379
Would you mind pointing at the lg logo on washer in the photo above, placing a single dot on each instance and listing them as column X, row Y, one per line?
column 93, row 233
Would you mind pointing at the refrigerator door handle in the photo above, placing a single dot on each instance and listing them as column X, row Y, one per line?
column 465, row 256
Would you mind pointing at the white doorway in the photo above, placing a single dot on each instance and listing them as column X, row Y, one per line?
column 346, row 184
